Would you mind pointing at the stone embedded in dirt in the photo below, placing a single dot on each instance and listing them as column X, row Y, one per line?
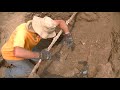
column 105, row 71
column 115, row 52
column 56, row 68
column 89, row 16
column 61, row 69
column 85, row 72
column 115, row 63
column 92, row 71
column 71, row 73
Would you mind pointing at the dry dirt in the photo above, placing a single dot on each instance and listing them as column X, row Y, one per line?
column 97, row 43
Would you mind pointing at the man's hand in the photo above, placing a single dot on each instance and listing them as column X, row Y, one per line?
column 23, row 53
column 69, row 40
column 45, row 55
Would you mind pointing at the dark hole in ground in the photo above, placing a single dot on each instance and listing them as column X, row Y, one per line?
column 44, row 43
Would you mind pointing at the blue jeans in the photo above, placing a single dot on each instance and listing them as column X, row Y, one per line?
column 20, row 69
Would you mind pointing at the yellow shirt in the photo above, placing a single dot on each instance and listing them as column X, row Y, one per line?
column 20, row 37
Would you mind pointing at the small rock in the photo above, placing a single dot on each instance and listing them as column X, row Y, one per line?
column 89, row 16
column 105, row 71
column 85, row 72
column 92, row 71
column 71, row 73
column 83, row 43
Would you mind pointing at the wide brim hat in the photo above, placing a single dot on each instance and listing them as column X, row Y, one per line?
column 45, row 27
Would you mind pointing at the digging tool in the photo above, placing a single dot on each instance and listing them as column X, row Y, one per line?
column 50, row 46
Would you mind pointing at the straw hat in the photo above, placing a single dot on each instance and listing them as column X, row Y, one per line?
column 45, row 27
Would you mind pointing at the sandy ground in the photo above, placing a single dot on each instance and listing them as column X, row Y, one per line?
column 96, row 36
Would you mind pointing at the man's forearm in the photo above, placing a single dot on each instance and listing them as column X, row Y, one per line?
column 23, row 53
column 62, row 25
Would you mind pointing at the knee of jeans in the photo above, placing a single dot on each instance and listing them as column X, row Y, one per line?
column 21, row 69
column 20, row 72
column 17, row 72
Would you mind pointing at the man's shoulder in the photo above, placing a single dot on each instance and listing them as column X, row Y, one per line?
column 21, row 26
column 21, row 30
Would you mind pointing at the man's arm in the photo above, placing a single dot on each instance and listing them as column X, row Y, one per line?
column 26, row 54
column 23, row 53
column 68, row 37
column 62, row 25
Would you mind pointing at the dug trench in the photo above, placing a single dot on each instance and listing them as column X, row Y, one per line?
column 97, row 44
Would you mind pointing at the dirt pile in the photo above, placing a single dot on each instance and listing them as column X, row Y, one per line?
column 96, row 36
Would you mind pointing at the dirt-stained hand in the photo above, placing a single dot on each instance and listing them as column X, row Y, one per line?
column 45, row 55
column 69, row 41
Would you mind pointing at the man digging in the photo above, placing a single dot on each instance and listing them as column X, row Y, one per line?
column 17, row 51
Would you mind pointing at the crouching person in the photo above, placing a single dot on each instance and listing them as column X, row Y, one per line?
column 18, row 49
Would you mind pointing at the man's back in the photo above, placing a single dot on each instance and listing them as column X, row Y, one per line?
column 20, row 37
